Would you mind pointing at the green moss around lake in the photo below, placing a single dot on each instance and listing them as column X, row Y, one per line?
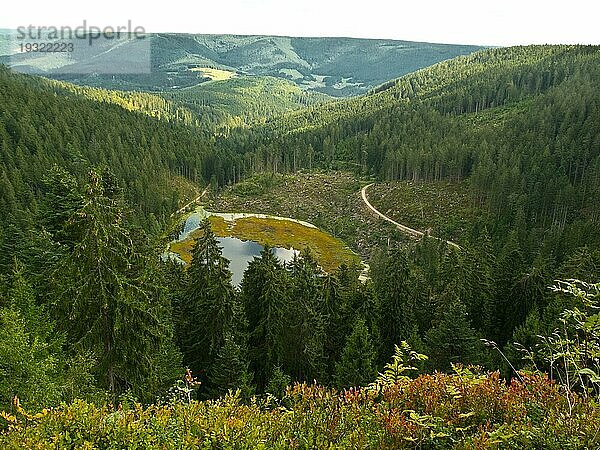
column 329, row 200
column 330, row 252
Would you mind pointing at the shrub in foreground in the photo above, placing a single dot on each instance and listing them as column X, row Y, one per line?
column 465, row 410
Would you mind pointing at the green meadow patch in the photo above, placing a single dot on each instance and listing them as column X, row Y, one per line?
column 330, row 252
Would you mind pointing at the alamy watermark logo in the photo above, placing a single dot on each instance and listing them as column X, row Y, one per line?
column 83, row 49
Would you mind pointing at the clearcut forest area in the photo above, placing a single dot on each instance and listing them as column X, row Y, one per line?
column 120, row 326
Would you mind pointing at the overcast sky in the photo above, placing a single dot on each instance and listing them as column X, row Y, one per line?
column 502, row 22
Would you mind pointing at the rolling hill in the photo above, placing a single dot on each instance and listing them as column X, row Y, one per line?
column 503, row 144
column 335, row 66
column 520, row 124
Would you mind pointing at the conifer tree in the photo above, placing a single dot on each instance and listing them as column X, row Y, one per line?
column 583, row 264
column 357, row 364
column 305, row 337
column 209, row 303
column 265, row 295
column 230, row 370
column 390, row 278
column 110, row 302
column 477, row 284
column 62, row 199
column 31, row 357
column 451, row 339
column 509, row 267
column 342, row 301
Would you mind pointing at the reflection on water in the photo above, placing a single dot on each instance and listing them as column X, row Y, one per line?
column 240, row 253
column 192, row 223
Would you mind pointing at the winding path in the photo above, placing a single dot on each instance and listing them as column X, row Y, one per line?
column 410, row 231
column 184, row 208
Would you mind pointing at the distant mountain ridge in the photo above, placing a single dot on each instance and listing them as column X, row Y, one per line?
column 339, row 67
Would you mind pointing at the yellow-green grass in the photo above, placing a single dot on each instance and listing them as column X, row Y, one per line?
column 214, row 74
column 184, row 248
column 329, row 252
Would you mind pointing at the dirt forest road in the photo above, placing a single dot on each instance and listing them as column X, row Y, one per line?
column 410, row 231
column 196, row 200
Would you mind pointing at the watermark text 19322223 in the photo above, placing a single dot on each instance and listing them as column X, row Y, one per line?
column 90, row 48
column 47, row 47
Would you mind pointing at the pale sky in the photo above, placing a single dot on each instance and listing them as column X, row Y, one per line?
column 501, row 23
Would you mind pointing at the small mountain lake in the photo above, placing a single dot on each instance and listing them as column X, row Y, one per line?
column 242, row 236
column 240, row 253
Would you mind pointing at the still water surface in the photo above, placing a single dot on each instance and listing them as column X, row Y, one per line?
column 240, row 253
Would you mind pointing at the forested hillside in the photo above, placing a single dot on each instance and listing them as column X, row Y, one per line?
column 477, row 346
column 520, row 127
column 340, row 67
column 520, row 124
column 243, row 100
column 45, row 123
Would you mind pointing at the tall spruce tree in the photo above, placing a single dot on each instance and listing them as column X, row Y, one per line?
column 338, row 292
column 451, row 339
column 265, row 295
column 306, row 320
column 390, row 274
column 230, row 370
column 109, row 300
column 357, row 363
column 509, row 267
column 209, row 304
column 477, row 284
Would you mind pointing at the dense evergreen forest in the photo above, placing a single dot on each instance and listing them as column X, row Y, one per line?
column 46, row 123
column 89, row 179
column 335, row 66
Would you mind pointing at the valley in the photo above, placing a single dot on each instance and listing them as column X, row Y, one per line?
column 329, row 200
column 324, row 65
column 277, row 170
